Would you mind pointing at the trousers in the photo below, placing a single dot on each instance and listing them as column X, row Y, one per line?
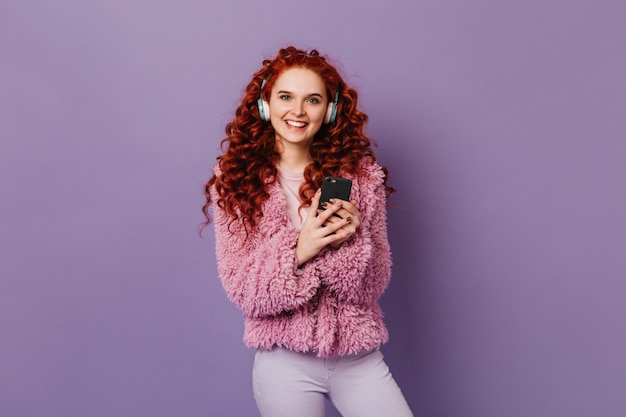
column 288, row 384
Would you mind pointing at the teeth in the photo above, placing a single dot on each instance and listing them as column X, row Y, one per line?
column 296, row 124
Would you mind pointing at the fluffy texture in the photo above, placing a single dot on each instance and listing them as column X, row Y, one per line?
column 330, row 304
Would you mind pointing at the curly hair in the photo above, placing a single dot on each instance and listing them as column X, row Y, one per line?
column 248, row 163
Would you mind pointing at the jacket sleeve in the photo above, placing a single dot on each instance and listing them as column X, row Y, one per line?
column 260, row 274
column 359, row 271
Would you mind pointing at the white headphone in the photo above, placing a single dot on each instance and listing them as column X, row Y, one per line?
column 264, row 107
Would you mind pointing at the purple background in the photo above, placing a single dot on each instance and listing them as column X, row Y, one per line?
column 503, row 124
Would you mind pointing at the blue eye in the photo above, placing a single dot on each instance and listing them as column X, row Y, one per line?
column 284, row 97
column 314, row 100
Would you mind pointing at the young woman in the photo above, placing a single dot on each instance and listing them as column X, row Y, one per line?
column 307, row 280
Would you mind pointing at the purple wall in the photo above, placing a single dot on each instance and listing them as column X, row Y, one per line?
column 503, row 124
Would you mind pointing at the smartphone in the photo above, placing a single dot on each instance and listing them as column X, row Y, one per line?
column 335, row 187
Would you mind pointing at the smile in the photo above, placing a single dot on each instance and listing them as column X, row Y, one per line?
column 295, row 123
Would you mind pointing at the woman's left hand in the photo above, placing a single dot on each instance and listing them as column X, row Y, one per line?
column 345, row 209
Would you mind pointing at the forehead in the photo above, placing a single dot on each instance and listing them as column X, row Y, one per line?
column 300, row 80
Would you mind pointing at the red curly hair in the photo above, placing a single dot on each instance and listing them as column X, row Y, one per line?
column 248, row 164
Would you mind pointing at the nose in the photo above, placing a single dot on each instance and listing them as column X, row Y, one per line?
column 298, row 108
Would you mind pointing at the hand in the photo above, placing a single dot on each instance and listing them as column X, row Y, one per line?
column 320, row 229
column 347, row 210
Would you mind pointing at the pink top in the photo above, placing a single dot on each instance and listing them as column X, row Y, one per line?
column 290, row 183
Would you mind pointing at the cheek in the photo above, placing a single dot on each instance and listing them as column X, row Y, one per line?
column 318, row 115
column 276, row 112
column 276, row 122
column 275, row 108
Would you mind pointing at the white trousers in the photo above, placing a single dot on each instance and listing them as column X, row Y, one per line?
column 294, row 384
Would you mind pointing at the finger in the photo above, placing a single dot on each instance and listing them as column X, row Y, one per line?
column 333, row 204
column 339, row 234
column 315, row 200
column 336, row 221
column 352, row 215
column 343, row 213
column 340, row 226
column 350, row 206
column 328, row 219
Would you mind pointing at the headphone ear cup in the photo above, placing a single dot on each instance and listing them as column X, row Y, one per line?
column 264, row 109
column 264, row 106
column 331, row 113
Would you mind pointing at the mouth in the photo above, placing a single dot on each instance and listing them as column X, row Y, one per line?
column 296, row 123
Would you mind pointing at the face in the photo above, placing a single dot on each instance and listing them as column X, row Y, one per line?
column 298, row 106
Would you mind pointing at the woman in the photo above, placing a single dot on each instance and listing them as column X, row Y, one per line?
column 307, row 280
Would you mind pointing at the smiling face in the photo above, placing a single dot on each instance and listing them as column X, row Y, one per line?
column 298, row 104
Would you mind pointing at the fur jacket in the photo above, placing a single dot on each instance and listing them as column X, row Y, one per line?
column 329, row 305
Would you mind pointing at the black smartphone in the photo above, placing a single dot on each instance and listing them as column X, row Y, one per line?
column 335, row 187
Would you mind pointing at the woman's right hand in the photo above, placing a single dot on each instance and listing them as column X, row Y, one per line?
column 317, row 231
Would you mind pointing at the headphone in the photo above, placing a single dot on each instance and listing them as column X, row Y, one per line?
column 264, row 107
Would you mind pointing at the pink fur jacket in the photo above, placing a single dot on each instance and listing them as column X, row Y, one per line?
column 330, row 304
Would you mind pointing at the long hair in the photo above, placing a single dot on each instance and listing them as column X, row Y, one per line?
column 248, row 164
